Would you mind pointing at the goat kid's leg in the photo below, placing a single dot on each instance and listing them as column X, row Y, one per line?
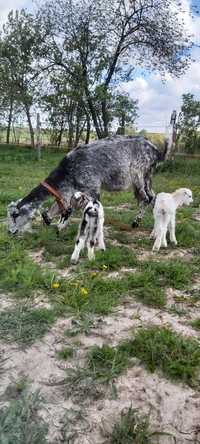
column 157, row 243
column 80, row 244
column 99, row 241
column 80, row 241
column 172, row 233
column 90, row 249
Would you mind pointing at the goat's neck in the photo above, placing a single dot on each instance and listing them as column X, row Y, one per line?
column 178, row 199
column 35, row 198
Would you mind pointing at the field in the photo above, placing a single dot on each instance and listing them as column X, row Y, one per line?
column 102, row 352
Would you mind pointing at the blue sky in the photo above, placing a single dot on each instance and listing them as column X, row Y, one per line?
column 156, row 99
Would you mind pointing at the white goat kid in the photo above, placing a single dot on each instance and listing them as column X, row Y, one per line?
column 90, row 231
column 164, row 213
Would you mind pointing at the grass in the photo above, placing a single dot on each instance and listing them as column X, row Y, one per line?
column 114, row 258
column 158, row 348
column 171, row 273
column 20, row 422
column 132, row 427
column 106, row 362
column 65, row 353
column 25, row 325
column 161, row 348
column 152, row 297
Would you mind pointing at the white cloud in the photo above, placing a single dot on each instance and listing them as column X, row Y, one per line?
column 157, row 99
column 6, row 6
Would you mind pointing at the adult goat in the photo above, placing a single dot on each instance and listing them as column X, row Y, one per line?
column 114, row 164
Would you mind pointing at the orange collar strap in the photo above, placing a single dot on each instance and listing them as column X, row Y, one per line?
column 60, row 201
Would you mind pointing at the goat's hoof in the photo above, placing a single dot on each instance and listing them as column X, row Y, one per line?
column 135, row 224
column 73, row 261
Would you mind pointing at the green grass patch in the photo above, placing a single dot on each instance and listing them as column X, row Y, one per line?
column 25, row 325
column 158, row 348
column 188, row 233
column 152, row 297
column 106, row 362
column 113, row 258
column 172, row 273
column 161, row 348
column 20, row 422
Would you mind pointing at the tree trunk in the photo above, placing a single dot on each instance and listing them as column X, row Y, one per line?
column 104, row 117
column 123, row 125
column 27, row 108
column 87, row 139
column 9, row 121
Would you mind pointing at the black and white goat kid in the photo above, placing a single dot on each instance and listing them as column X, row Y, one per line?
column 90, row 233
column 114, row 164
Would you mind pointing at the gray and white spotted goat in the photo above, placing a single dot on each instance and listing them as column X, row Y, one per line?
column 114, row 164
column 90, row 231
column 164, row 213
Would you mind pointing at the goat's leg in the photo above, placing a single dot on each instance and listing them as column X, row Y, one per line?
column 172, row 233
column 158, row 241
column 80, row 241
column 64, row 219
column 140, row 214
column 90, row 249
column 144, row 195
column 80, row 244
column 100, row 233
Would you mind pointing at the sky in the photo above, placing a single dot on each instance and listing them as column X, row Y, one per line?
column 156, row 99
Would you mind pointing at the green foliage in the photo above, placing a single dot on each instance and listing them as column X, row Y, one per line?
column 189, row 123
column 20, row 423
column 125, row 110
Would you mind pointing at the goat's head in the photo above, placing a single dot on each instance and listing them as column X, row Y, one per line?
column 186, row 196
column 18, row 219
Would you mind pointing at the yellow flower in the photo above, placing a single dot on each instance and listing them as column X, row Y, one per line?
column 83, row 291
column 104, row 267
column 55, row 285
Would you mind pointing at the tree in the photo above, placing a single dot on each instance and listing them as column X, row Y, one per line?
column 125, row 110
column 66, row 110
column 189, row 122
column 100, row 46
column 20, row 47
